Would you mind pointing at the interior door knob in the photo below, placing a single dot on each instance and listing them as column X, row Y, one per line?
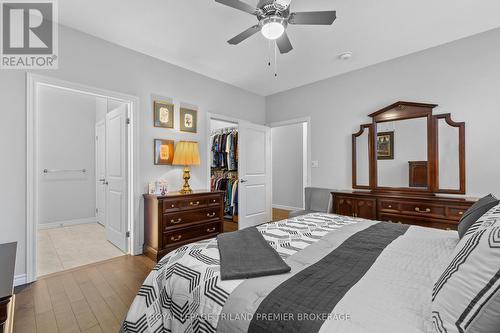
column 243, row 180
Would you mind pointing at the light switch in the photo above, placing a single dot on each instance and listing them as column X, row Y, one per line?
column 314, row 164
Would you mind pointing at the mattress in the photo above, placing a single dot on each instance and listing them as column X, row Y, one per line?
column 348, row 275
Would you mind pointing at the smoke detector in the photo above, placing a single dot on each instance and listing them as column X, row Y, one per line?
column 345, row 56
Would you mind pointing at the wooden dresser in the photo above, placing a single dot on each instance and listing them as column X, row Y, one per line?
column 427, row 211
column 177, row 219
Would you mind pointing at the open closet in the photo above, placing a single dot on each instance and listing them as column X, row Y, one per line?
column 224, row 166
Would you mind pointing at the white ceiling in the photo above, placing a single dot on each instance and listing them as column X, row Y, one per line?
column 193, row 34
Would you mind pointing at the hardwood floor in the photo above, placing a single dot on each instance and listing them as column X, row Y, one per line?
column 280, row 214
column 92, row 298
column 87, row 299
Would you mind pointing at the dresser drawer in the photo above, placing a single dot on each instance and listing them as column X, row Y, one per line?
column 173, row 220
column 388, row 205
column 456, row 213
column 430, row 223
column 175, row 205
column 171, row 206
column 423, row 209
column 192, row 233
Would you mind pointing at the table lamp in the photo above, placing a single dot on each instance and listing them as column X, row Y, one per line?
column 186, row 154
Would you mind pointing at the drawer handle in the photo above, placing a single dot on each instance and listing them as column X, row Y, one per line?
column 460, row 213
column 215, row 200
column 390, row 206
column 427, row 210
column 210, row 215
column 179, row 220
column 211, row 229
column 176, row 238
column 194, row 203
column 173, row 206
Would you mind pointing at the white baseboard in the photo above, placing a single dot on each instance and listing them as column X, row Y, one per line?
column 19, row 280
column 287, row 207
column 60, row 224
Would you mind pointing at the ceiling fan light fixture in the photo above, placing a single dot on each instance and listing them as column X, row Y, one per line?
column 283, row 3
column 273, row 27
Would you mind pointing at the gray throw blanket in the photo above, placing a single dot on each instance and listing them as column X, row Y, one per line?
column 246, row 254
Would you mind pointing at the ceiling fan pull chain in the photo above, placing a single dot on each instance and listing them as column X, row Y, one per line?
column 269, row 53
column 275, row 61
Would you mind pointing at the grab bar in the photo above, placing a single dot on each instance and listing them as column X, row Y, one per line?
column 64, row 170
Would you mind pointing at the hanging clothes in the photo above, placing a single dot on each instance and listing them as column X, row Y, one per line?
column 229, row 185
column 225, row 149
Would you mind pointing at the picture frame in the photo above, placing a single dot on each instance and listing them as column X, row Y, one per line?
column 163, row 114
column 163, row 152
column 188, row 120
column 385, row 145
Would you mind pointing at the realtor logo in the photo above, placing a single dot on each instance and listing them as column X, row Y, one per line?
column 29, row 34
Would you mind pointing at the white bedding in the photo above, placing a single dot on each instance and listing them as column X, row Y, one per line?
column 395, row 294
column 185, row 294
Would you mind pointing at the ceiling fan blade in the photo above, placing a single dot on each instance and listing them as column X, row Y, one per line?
column 320, row 18
column 284, row 44
column 238, row 5
column 244, row 35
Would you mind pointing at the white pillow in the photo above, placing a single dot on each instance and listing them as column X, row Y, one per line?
column 466, row 298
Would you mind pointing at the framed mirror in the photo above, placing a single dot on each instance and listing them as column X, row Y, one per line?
column 451, row 155
column 409, row 149
column 402, row 153
column 361, row 142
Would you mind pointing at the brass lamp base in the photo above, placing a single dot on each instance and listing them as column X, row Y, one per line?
column 186, row 189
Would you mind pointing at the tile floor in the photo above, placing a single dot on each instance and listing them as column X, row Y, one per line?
column 69, row 247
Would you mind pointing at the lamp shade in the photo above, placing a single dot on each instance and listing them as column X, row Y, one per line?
column 186, row 153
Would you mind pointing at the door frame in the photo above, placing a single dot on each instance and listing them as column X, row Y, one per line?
column 208, row 148
column 100, row 122
column 33, row 81
column 307, row 158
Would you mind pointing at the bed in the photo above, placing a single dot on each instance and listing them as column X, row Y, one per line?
column 347, row 275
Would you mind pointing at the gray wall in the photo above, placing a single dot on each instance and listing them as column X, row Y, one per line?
column 91, row 61
column 66, row 141
column 463, row 77
column 288, row 174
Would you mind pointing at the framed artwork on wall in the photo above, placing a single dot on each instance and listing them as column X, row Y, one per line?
column 164, row 114
column 385, row 146
column 164, row 152
column 189, row 119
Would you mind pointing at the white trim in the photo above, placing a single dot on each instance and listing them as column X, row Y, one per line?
column 20, row 279
column 66, row 223
column 287, row 207
column 213, row 116
column 33, row 81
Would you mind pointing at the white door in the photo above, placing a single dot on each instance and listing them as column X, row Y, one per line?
column 255, row 193
column 100, row 164
column 116, row 177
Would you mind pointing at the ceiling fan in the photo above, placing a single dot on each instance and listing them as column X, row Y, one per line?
column 274, row 16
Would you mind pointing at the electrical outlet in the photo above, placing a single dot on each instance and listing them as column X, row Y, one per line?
column 314, row 164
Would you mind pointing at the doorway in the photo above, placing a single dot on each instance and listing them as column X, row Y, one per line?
column 290, row 156
column 80, row 176
column 241, row 167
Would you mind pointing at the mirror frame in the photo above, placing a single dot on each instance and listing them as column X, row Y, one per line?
column 402, row 111
column 461, row 153
column 355, row 136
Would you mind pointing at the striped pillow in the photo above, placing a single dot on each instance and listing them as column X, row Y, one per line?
column 466, row 298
